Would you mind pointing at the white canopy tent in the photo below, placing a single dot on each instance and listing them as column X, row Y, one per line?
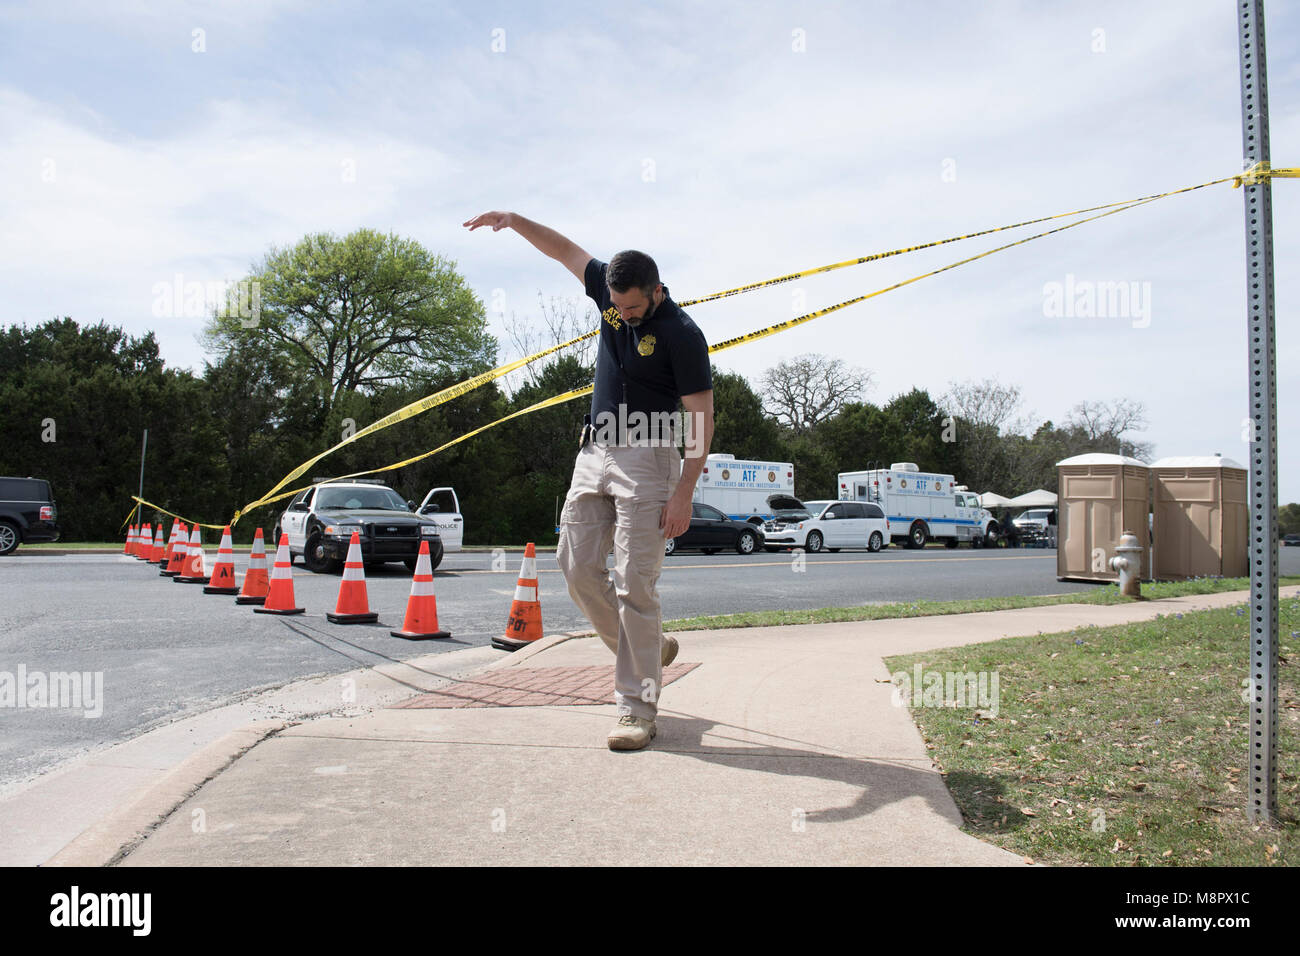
column 1034, row 499
column 991, row 499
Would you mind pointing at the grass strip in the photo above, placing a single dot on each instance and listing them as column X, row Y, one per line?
column 1112, row 746
column 1103, row 594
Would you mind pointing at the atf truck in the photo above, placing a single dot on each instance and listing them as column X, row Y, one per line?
column 741, row 489
column 921, row 506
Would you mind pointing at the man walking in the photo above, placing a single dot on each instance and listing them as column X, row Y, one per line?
column 630, row 488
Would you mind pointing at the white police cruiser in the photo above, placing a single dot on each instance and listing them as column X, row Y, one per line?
column 321, row 519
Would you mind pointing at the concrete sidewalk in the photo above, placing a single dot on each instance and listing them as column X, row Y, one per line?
column 780, row 747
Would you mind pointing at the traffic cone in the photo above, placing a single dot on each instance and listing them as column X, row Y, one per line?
column 352, row 607
column 130, row 540
column 144, row 544
column 422, row 607
column 171, row 543
column 159, row 546
column 176, row 553
column 194, row 570
column 525, row 623
column 255, row 580
column 223, row 572
column 279, row 598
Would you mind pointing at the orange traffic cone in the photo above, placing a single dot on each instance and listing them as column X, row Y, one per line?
column 223, row 572
column 130, row 540
column 194, row 570
column 422, row 607
column 255, row 580
column 525, row 623
column 159, row 546
column 171, row 544
column 176, row 553
column 279, row 599
column 352, row 607
column 141, row 549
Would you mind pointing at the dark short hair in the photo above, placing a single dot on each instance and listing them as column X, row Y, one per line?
column 630, row 269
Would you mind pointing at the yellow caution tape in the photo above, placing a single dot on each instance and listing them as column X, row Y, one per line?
column 1256, row 173
column 875, row 257
column 1262, row 172
column 411, row 410
column 150, row 504
column 762, row 333
column 545, row 403
column 129, row 515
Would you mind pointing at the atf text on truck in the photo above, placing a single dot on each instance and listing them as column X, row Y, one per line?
column 921, row 506
column 741, row 489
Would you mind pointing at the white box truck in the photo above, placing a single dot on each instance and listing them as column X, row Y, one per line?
column 921, row 506
column 741, row 489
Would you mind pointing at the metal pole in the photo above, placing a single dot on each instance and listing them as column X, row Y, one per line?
column 143, row 445
column 1262, row 795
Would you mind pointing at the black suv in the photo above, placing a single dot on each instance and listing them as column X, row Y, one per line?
column 27, row 512
column 320, row 520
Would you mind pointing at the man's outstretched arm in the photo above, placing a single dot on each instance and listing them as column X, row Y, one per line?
column 548, row 241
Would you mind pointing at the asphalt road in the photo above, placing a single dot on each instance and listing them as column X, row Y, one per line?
column 166, row 650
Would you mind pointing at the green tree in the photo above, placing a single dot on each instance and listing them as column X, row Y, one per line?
column 361, row 313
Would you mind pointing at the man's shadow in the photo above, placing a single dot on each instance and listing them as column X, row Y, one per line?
column 879, row 781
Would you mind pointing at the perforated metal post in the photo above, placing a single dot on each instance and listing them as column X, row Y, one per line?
column 1262, row 794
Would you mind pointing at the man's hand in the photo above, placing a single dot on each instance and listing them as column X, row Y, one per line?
column 497, row 220
column 676, row 515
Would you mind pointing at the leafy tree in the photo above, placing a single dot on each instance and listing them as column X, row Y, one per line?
column 361, row 313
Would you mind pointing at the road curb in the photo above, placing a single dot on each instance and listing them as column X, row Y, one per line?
column 113, row 837
column 537, row 647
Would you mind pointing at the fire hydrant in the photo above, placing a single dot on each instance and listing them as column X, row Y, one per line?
column 1128, row 562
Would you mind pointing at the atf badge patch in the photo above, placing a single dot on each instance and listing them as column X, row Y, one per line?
column 646, row 346
column 611, row 316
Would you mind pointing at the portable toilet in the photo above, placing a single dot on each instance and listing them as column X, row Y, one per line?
column 1202, row 517
column 1100, row 496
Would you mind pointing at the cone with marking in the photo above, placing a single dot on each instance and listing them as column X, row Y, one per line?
column 159, row 546
column 422, row 607
column 255, row 581
column 525, row 623
column 223, row 572
column 130, row 539
column 176, row 553
column 352, row 607
column 279, row 598
column 194, row 570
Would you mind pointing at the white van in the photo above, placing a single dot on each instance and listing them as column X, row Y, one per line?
column 831, row 525
column 443, row 507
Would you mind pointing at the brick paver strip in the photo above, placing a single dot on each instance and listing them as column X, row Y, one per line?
column 535, row 687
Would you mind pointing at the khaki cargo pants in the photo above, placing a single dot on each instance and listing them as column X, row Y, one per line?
column 616, row 499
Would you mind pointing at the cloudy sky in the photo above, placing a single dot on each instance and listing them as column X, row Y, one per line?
column 141, row 140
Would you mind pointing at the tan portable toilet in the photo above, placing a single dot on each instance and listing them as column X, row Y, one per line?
column 1100, row 497
column 1202, row 517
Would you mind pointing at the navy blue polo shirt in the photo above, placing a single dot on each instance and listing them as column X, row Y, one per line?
column 650, row 367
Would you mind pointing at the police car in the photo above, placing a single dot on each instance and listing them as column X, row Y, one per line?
column 320, row 521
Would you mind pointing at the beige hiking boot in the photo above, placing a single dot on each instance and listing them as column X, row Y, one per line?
column 631, row 733
column 668, row 651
